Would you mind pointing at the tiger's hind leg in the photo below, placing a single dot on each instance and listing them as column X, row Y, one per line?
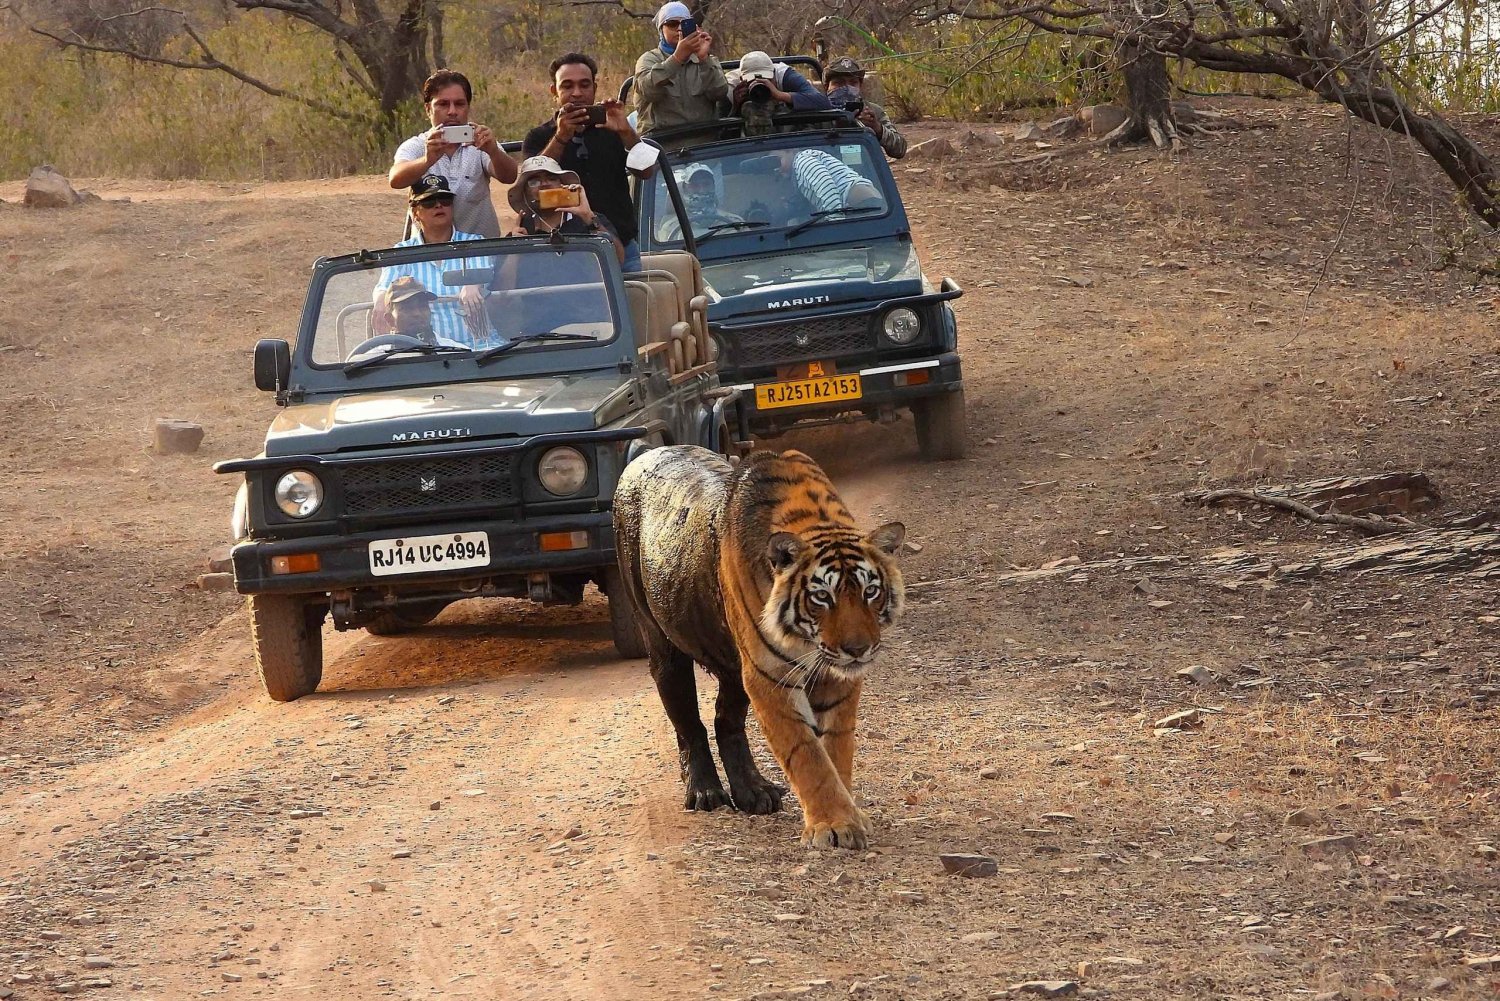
column 672, row 670
column 752, row 791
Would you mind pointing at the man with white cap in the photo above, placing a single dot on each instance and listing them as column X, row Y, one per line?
column 678, row 82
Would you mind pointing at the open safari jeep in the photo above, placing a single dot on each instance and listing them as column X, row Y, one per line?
column 818, row 300
column 469, row 452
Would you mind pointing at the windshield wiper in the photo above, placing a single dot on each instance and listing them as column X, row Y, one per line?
column 724, row 227
column 819, row 216
column 545, row 335
column 416, row 349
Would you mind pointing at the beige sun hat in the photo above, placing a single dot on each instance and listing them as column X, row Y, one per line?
column 531, row 167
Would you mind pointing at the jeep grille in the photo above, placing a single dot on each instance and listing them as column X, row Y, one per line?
column 378, row 488
column 776, row 343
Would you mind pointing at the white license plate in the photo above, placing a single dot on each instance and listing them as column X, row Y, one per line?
column 422, row 553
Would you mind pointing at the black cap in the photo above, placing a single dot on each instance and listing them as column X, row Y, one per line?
column 844, row 66
column 430, row 188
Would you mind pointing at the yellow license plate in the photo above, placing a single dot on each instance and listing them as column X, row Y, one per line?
column 807, row 391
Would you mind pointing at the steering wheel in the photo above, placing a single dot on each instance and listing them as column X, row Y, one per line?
column 397, row 342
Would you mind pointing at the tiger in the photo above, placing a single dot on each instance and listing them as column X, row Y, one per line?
column 757, row 572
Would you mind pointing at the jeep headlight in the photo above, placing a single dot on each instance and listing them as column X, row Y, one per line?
column 902, row 325
column 299, row 493
column 563, row 470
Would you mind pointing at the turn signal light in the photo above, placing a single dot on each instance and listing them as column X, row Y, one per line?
column 556, row 542
column 918, row 378
column 296, row 563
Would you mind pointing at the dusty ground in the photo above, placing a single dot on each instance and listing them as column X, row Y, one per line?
column 1258, row 309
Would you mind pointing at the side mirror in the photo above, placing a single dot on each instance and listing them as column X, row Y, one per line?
column 273, row 365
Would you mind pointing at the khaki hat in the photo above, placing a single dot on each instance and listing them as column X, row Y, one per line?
column 844, row 66
column 756, row 66
column 404, row 288
column 531, row 167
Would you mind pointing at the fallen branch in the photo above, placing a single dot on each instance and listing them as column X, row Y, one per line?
column 1370, row 526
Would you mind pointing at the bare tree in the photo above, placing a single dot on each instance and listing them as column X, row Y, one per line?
column 386, row 47
column 1334, row 48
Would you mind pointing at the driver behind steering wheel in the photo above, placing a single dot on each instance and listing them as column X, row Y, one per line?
column 408, row 304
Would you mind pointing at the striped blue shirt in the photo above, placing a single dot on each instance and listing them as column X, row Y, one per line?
column 447, row 317
column 823, row 180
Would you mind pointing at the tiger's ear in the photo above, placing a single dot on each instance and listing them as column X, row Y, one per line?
column 888, row 537
column 783, row 549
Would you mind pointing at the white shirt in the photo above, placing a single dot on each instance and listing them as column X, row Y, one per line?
column 467, row 170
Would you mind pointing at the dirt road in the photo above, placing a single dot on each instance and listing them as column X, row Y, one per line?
column 489, row 808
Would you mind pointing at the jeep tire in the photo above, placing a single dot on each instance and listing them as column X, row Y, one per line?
column 287, row 631
column 404, row 619
column 942, row 433
column 623, row 627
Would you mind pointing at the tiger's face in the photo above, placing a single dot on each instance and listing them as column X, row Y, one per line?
column 833, row 590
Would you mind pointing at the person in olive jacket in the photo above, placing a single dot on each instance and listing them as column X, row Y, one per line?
column 678, row 82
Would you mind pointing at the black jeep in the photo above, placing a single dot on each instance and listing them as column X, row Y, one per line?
column 471, row 452
column 817, row 297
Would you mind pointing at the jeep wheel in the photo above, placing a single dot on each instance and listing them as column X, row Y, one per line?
column 287, row 631
column 623, row 627
column 941, row 430
column 405, row 618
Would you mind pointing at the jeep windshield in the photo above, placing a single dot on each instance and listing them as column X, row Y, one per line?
column 769, row 192
column 456, row 304
column 892, row 259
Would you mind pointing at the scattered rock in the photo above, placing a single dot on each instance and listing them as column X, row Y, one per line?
column 1484, row 964
column 981, row 937
column 436, row 804
column 788, row 918
column 1304, row 816
column 1184, row 720
column 231, row 978
column 1330, row 845
column 909, row 897
column 48, row 189
column 375, row 885
column 97, row 963
column 989, row 773
column 401, row 853
column 1048, row 988
column 969, row 865
column 1102, row 119
column 936, row 149
column 1063, row 128
column 177, row 437
column 1200, row 675
column 1439, row 984
column 1029, row 132
column 305, row 814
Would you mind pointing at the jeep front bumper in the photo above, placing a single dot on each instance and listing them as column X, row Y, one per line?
column 343, row 561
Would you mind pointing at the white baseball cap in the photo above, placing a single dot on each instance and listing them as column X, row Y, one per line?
column 756, row 66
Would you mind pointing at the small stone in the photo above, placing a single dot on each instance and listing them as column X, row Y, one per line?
column 1048, row 988
column 50, row 936
column 230, row 978
column 1484, row 963
column 1455, row 933
column 1335, row 843
column 375, row 885
column 1486, row 852
column 46, row 188
column 909, row 897
column 1183, row 720
column 472, row 792
column 1225, row 838
column 177, row 437
column 401, row 853
column 969, row 865
column 436, row 804
column 981, row 937
column 1304, row 817
column 1059, row 817
column 305, row 814
column 446, row 700
column 98, row 963
column 788, row 918
column 1439, row 984
column 989, row 773
column 1200, row 675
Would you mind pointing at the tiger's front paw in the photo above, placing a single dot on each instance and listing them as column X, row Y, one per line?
column 757, row 797
column 705, row 796
column 849, row 832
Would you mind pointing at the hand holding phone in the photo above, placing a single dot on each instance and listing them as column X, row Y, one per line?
column 597, row 114
column 689, row 26
column 459, row 135
column 558, row 198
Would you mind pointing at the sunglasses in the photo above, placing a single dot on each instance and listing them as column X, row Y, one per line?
column 675, row 25
column 429, row 202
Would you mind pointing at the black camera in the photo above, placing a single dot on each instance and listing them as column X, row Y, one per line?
column 759, row 91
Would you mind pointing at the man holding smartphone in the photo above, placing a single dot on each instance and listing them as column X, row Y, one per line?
column 846, row 81
column 596, row 142
column 678, row 82
column 465, row 153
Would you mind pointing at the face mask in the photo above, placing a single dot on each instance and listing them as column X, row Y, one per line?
column 843, row 93
column 701, row 203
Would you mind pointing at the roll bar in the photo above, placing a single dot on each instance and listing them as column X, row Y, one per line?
column 734, row 64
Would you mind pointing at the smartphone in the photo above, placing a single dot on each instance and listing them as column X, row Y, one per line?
column 558, row 198
column 596, row 114
column 689, row 25
column 459, row 134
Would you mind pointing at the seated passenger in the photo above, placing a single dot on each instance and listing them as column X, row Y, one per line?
column 410, row 306
column 678, row 82
column 829, row 184
column 763, row 89
column 462, row 321
column 542, row 173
